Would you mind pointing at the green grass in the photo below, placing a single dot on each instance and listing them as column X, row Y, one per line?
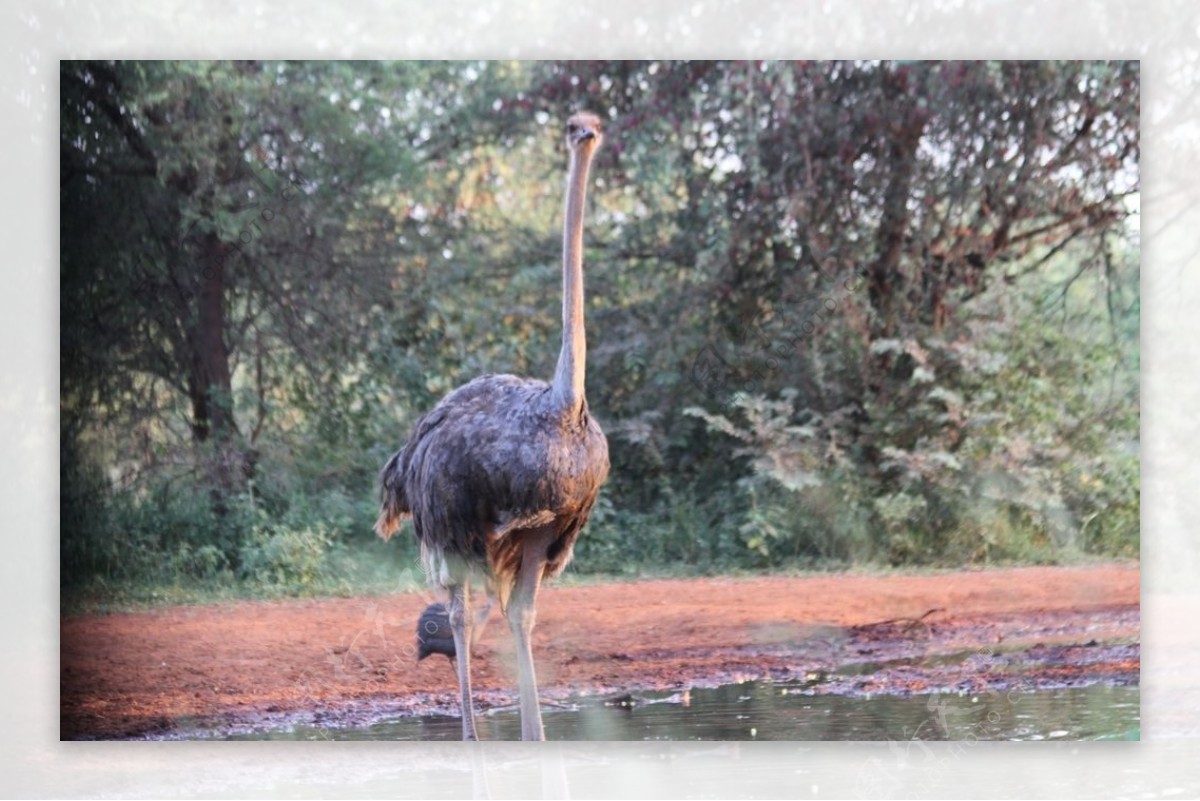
column 378, row 569
column 351, row 570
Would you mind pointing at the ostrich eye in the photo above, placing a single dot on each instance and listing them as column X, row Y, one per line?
column 572, row 127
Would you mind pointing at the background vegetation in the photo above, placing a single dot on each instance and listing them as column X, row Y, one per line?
column 838, row 313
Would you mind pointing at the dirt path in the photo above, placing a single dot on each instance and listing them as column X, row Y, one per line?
column 345, row 661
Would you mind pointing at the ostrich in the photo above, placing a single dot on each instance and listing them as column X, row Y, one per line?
column 500, row 476
column 434, row 635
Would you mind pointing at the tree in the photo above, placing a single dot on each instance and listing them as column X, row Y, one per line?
column 825, row 224
column 219, row 217
column 282, row 264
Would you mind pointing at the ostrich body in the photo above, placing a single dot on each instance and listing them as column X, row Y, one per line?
column 434, row 635
column 501, row 475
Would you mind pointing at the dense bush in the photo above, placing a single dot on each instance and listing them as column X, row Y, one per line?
column 838, row 312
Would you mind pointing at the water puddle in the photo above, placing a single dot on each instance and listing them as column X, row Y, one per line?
column 791, row 711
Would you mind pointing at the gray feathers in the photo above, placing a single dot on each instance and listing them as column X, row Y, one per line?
column 434, row 635
column 493, row 458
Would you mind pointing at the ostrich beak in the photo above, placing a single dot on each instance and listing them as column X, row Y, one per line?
column 584, row 134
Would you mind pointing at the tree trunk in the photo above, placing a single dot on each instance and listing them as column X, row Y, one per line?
column 210, row 381
column 905, row 131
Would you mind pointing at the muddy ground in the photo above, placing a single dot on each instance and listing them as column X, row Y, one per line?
column 209, row 670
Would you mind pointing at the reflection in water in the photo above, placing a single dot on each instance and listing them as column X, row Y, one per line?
column 765, row 711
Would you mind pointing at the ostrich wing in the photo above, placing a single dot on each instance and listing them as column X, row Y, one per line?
column 393, row 492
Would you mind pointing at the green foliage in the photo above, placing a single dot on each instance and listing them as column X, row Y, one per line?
column 1000, row 448
column 277, row 554
column 838, row 312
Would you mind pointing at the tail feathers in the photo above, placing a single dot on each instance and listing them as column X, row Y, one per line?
column 393, row 503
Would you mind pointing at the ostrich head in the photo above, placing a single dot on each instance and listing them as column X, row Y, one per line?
column 583, row 133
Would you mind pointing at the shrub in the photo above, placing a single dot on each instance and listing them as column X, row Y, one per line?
column 278, row 555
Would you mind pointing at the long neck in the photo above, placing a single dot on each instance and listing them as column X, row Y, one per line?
column 569, row 376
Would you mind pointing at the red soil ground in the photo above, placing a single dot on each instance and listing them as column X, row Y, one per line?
column 183, row 670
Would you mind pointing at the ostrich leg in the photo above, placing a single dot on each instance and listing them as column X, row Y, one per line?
column 521, row 617
column 461, row 624
column 481, row 619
